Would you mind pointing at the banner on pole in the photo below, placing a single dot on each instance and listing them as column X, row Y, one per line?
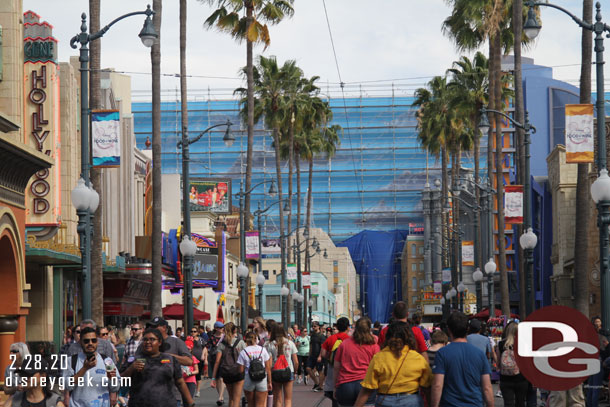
column 291, row 273
column 105, row 138
column 306, row 280
column 468, row 253
column 579, row 133
column 314, row 289
column 513, row 204
column 446, row 275
column 252, row 245
column 438, row 287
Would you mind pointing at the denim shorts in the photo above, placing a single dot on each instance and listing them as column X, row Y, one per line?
column 249, row 385
column 399, row 400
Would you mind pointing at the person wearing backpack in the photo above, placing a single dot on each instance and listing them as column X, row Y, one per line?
column 285, row 362
column 513, row 384
column 255, row 362
column 226, row 364
column 215, row 337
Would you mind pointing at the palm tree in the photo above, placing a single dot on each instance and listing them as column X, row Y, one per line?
column 251, row 27
column 95, row 100
column 471, row 23
column 155, row 57
column 470, row 86
column 583, row 201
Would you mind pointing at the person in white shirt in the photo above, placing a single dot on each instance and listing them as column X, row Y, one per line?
column 96, row 372
column 256, row 391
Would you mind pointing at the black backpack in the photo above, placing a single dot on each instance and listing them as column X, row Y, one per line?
column 230, row 370
column 257, row 370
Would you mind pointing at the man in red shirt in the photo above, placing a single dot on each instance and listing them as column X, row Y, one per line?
column 400, row 312
column 327, row 348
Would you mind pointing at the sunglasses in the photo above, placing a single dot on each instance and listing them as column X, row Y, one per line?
column 135, row 329
column 87, row 341
column 14, row 351
column 194, row 331
column 149, row 339
column 104, row 334
column 77, row 332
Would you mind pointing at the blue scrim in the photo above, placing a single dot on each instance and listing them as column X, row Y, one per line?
column 377, row 258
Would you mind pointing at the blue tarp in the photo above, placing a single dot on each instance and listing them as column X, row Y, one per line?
column 377, row 258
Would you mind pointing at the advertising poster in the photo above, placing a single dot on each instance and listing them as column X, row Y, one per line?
column 314, row 289
column 513, row 204
column 105, row 138
column 210, row 195
column 205, row 261
column 468, row 253
column 291, row 273
column 271, row 247
column 306, row 280
column 252, row 245
column 579, row 133
column 438, row 287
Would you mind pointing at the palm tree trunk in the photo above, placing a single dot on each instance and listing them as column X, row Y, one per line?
column 155, row 57
column 290, row 170
column 583, row 221
column 278, row 169
column 250, row 102
column 477, row 193
column 444, row 201
column 95, row 100
column 297, row 163
column 500, row 179
column 519, row 140
column 308, row 216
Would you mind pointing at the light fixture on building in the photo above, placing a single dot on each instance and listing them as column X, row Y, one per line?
column 325, row 254
column 284, row 291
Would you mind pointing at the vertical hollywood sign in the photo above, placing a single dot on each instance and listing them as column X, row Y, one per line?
column 40, row 188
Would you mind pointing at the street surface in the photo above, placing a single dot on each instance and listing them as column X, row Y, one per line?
column 302, row 397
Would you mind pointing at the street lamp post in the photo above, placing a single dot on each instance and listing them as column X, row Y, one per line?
column 600, row 190
column 530, row 244
column 477, row 276
column 490, row 269
column 242, row 273
column 148, row 35
column 187, row 260
column 260, row 282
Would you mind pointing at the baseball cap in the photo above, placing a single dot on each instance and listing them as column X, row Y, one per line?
column 218, row 325
column 157, row 321
column 475, row 324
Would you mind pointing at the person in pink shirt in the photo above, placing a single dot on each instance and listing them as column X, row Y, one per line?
column 189, row 372
column 351, row 362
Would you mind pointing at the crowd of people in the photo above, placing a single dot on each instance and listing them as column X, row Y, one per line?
column 401, row 364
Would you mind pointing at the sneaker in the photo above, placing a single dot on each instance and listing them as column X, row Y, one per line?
column 314, row 388
column 197, row 394
column 317, row 389
column 305, row 380
column 499, row 394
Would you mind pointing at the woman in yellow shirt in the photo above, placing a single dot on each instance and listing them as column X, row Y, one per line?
column 397, row 372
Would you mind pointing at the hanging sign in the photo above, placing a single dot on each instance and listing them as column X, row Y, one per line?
column 252, row 245
column 105, row 138
column 446, row 275
column 291, row 273
column 468, row 253
column 579, row 133
column 438, row 287
column 513, row 204
column 306, row 280
column 314, row 289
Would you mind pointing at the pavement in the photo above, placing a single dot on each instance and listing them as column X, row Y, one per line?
column 302, row 397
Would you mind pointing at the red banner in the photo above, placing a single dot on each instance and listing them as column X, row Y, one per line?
column 513, row 204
